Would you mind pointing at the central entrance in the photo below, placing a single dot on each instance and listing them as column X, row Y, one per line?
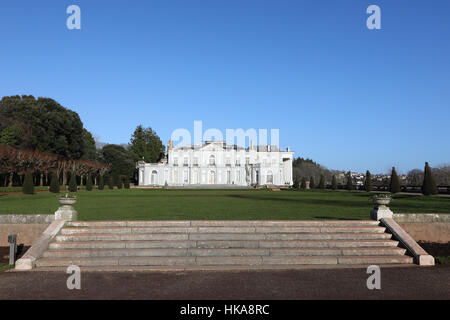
column 212, row 177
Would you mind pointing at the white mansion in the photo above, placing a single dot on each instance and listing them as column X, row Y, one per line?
column 215, row 163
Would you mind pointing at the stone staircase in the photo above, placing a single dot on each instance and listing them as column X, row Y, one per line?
column 222, row 245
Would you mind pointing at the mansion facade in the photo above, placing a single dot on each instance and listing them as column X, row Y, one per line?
column 215, row 163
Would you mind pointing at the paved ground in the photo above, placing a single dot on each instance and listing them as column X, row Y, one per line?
column 396, row 283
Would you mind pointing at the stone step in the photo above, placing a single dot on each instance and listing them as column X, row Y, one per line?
column 223, row 261
column 201, row 252
column 227, row 223
column 224, row 236
column 194, row 230
column 222, row 244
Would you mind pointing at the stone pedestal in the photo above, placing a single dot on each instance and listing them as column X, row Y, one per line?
column 381, row 212
column 67, row 213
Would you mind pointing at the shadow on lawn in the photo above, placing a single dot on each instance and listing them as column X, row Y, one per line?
column 326, row 202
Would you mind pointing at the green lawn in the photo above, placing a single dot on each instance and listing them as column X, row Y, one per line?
column 218, row 204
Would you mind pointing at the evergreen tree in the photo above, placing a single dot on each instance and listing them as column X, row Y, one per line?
column 54, row 183
column 89, row 183
column 303, row 184
column 429, row 185
column 312, row 184
column 28, row 185
column 368, row 186
column 101, row 183
column 126, row 183
column 350, row 181
column 73, row 183
column 110, row 182
column 296, row 184
column 322, row 182
column 118, row 181
column 334, row 183
column 395, row 182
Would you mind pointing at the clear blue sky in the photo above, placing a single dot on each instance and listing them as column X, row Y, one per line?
column 348, row 97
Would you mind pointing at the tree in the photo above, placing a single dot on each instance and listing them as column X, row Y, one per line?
column 118, row 181
column 429, row 185
column 121, row 160
column 89, row 148
column 101, row 183
column 28, row 185
column 350, row 181
column 303, row 184
column 73, row 183
column 45, row 125
column 110, row 182
column 89, row 183
column 54, row 183
column 334, row 183
column 146, row 145
column 296, row 183
column 368, row 186
column 322, row 182
column 312, row 184
column 395, row 182
column 126, row 183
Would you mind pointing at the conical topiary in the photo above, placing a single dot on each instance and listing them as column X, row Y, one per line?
column 89, row 183
column 296, row 183
column 73, row 183
column 110, row 182
column 118, row 182
column 395, row 182
column 101, row 183
column 322, row 182
column 334, row 183
column 126, row 183
column 368, row 186
column 54, row 183
column 312, row 184
column 303, row 184
column 349, row 182
column 28, row 184
column 429, row 185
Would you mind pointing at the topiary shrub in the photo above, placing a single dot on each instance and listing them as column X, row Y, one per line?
column 296, row 184
column 395, row 182
column 368, row 186
column 101, row 183
column 303, row 184
column 350, row 185
column 322, row 182
column 334, row 185
column 429, row 185
column 126, row 183
column 312, row 184
column 118, row 182
column 28, row 185
column 89, row 183
column 54, row 183
column 73, row 183
column 110, row 183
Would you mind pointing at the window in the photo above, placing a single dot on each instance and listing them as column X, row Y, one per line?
column 186, row 176
column 269, row 179
column 195, row 161
column 228, row 177
column 238, row 162
column 228, row 161
column 212, row 160
column 238, row 176
column 247, row 160
column 186, row 161
column 175, row 161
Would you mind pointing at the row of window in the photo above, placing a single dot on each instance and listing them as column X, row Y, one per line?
column 212, row 161
column 211, row 177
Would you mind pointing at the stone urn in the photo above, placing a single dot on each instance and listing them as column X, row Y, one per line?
column 66, row 211
column 381, row 201
column 381, row 210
